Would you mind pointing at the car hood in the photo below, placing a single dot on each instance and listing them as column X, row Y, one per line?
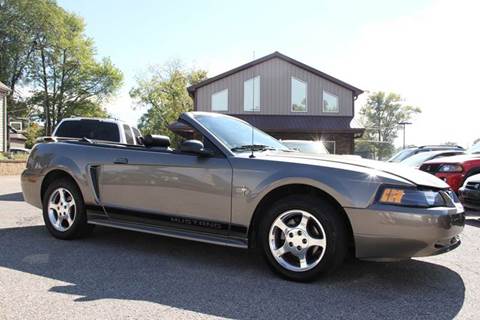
column 414, row 176
column 455, row 159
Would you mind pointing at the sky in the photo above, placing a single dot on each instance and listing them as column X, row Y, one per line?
column 427, row 51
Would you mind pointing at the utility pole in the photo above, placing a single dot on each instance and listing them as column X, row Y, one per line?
column 404, row 124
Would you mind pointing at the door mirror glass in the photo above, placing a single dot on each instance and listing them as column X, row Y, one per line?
column 195, row 147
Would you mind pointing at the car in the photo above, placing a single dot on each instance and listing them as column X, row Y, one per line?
column 417, row 160
column 94, row 128
column 19, row 151
column 470, row 193
column 408, row 152
column 307, row 146
column 455, row 170
column 230, row 184
column 314, row 147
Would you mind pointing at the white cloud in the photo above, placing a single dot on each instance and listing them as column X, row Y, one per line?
column 432, row 58
column 121, row 108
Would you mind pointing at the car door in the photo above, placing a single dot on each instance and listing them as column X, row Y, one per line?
column 168, row 188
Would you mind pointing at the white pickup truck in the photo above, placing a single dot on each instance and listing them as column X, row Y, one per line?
column 95, row 129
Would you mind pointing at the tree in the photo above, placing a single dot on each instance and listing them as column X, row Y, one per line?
column 32, row 133
column 163, row 92
column 381, row 116
column 46, row 50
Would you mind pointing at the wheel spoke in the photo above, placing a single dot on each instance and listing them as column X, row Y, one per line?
column 69, row 220
column 58, row 223
column 303, row 222
column 61, row 192
column 315, row 242
column 280, row 251
column 281, row 225
column 303, row 260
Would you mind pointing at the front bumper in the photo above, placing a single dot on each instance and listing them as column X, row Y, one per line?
column 31, row 188
column 470, row 198
column 389, row 232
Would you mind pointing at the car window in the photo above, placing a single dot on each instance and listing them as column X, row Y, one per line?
column 128, row 134
column 401, row 155
column 474, row 149
column 418, row 159
column 91, row 129
column 183, row 131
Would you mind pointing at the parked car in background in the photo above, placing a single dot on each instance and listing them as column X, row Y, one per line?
column 408, row 152
column 95, row 129
column 20, row 151
column 307, row 146
column 304, row 213
column 455, row 170
column 470, row 193
column 417, row 160
column 314, row 147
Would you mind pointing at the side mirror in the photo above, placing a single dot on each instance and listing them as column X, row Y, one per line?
column 195, row 147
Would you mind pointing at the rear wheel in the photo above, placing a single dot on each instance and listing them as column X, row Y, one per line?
column 64, row 210
column 303, row 237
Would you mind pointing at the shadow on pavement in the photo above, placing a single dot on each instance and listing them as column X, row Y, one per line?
column 473, row 222
column 226, row 282
column 17, row 196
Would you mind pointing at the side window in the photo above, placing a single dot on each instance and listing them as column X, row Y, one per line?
column 184, row 131
column 128, row 134
column 137, row 135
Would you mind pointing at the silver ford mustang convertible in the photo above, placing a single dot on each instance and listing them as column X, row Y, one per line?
column 227, row 183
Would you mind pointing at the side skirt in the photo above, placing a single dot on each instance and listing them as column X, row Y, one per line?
column 169, row 232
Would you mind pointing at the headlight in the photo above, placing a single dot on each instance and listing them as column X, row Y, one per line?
column 450, row 168
column 411, row 197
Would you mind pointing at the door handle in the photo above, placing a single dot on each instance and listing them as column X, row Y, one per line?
column 121, row 161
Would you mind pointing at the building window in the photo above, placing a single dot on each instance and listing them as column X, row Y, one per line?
column 299, row 95
column 220, row 101
column 251, row 94
column 330, row 102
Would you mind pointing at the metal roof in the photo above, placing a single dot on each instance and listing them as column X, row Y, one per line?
column 279, row 55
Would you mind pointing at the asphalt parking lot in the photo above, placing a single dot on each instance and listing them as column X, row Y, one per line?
column 118, row 274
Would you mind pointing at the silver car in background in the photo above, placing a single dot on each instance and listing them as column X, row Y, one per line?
column 304, row 213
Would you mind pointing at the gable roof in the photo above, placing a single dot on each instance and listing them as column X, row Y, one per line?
column 356, row 91
column 4, row 88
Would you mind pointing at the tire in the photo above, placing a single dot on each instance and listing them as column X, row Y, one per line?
column 71, row 219
column 322, row 244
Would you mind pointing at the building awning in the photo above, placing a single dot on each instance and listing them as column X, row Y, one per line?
column 302, row 124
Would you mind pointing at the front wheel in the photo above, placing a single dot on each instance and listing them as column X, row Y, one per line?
column 303, row 237
column 64, row 211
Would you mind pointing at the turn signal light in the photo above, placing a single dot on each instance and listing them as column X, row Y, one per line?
column 392, row 196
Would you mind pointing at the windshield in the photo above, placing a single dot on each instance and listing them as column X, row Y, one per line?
column 237, row 134
column 474, row 149
column 418, row 159
column 401, row 155
column 315, row 147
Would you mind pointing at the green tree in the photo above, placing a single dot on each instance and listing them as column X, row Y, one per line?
column 163, row 93
column 380, row 116
column 45, row 48
column 32, row 133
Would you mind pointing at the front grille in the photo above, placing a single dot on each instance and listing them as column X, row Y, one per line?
column 473, row 185
column 430, row 168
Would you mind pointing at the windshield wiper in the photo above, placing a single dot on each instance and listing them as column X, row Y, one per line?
column 254, row 147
